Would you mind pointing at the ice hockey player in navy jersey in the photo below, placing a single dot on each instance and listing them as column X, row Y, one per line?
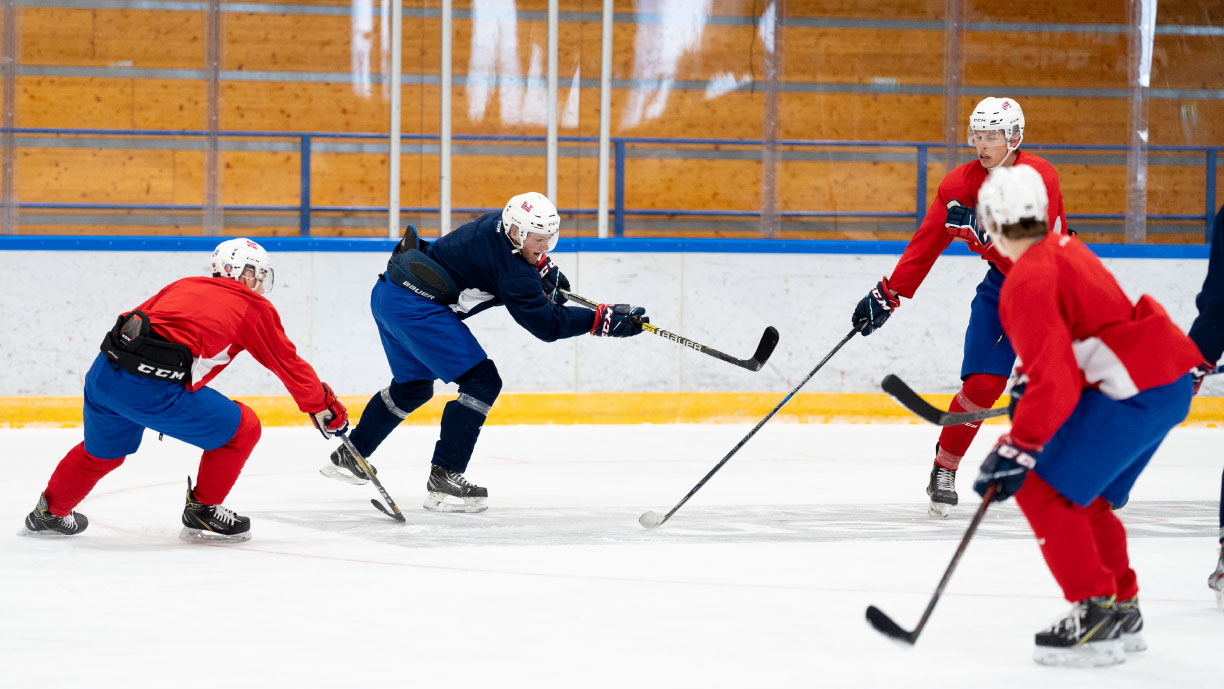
column 1208, row 333
column 1104, row 382
column 419, row 304
column 153, row 372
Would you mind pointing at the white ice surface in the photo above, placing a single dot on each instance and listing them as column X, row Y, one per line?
column 761, row 580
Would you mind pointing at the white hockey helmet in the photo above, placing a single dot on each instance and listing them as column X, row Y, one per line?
column 240, row 256
column 1010, row 195
column 998, row 114
column 531, row 212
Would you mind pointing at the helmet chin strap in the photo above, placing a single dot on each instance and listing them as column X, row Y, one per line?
column 1010, row 150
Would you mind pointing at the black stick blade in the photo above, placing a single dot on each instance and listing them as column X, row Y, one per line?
column 769, row 340
column 885, row 625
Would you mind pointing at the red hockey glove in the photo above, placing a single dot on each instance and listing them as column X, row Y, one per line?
column 333, row 417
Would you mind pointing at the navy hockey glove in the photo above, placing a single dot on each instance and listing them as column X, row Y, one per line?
column 963, row 222
column 1006, row 466
column 619, row 320
column 333, row 417
column 875, row 308
column 552, row 279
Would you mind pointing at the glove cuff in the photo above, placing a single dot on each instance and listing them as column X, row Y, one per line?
column 887, row 293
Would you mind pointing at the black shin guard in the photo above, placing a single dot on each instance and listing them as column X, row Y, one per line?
column 463, row 418
column 385, row 410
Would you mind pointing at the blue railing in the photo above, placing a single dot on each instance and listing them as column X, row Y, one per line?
column 305, row 142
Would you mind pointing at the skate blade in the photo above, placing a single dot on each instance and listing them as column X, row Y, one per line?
column 1134, row 643
column 45, row 533
column 1220, row 600
column 201, row 536
column 333, row 471
column 1091, row 654
column 939, row 510
column 437, row 502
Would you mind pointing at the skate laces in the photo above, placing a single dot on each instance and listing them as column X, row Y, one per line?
column 224, row 515
column 68, row 522
column 459, row 479
column 945, row 479
column 1073, row 621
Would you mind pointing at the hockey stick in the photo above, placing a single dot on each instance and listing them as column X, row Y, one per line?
column 361, row 462
column 765, row 347
column 912, row 401
column 652, row 520
column 885, row 625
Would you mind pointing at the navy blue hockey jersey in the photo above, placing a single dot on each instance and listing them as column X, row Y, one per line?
column 1208, row 329
column 482, row 262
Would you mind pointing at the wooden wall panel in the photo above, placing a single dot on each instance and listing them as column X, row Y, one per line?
column 105, row 37
column 846, row 186
column 69, row 175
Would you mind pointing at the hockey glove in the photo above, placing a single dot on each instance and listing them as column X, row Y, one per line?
column 1006, row 466
column 619, row 320
column 875, row 308
column 1017, row 392
column 963, row 222
column 552, row 279
column 333, row 418
column 1200, row 372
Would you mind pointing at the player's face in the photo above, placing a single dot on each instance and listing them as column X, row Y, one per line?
column 991, row 147
column 248, row 278
column 534, row 247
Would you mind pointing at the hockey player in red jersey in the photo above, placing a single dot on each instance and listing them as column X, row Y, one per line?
column 1103, row 382
column 153, row 372
column 996, row 129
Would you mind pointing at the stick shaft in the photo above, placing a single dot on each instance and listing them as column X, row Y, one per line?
column 757, row 427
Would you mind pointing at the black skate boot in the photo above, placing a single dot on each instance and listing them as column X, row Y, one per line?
column 1130, row 626
column 1216, row 581
column 40, row 522
column 212, row 523
column 463, row 496
column 344, row 467
column 1087, row 636
column 942, row 489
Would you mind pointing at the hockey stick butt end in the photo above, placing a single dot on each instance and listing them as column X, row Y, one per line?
column 650, row 520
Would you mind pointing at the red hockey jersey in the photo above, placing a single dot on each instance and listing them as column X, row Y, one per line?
column 932, row 237
column 217, row 318
column 1073, row 327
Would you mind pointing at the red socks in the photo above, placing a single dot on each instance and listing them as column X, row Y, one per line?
column 77, row 473
column 1085, row 547
column 980, row 391
column 219, row 468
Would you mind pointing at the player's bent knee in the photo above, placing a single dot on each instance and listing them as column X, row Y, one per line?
column 481, row 382
column 410, row 395
column 249, row 428
column 984, row 389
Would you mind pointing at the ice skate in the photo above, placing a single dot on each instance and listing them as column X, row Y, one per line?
column 1087, row 636
column 1130, row 626
column 942, row 489
column 449, row 491
column 1215, row 581
column 41, row 522
column 344, row 467
column 212, row 523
